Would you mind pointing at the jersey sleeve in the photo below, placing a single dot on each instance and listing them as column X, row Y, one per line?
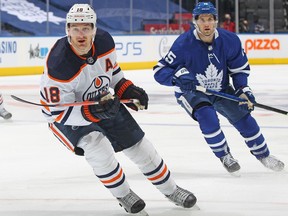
column 104, row 37
column 165, row 69
column 55, row 92
column 238, row 65
column 117, row 73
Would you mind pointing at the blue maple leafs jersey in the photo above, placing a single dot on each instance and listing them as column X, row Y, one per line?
column 211, row 65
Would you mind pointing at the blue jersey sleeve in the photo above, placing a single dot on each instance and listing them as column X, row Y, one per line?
column 167, row 66
column 237, row 63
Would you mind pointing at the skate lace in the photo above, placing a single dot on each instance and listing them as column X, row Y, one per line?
column 228, row 160
column 129, row 199
column 272, row 163
column 179, row 196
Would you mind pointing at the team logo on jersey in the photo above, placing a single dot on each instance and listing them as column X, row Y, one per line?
column 212, row 78
column 98, row 86
column 90, row 60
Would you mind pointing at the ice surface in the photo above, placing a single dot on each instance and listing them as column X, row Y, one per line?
column 40, row 177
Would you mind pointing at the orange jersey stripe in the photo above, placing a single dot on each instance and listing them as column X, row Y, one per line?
column 113, row 179
column 160, row 175
column 67, row 144
column 58, row 119
column 107, row 53
column 67, row 81
column 115, row 66
column 44, row 103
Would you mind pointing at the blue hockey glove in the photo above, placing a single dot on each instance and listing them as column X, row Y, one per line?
column 183, row 79
column 107, row 108
column 246, row 93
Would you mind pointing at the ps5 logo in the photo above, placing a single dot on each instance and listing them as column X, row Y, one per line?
column 129, row 48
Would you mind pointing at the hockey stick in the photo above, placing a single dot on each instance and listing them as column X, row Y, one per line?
column 135, row 101
column 237, row 99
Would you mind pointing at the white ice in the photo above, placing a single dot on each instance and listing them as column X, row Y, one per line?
column 40, row 177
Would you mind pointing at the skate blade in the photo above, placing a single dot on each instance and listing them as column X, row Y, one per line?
column 235, row 174
column 142, row 213
column 195, row 207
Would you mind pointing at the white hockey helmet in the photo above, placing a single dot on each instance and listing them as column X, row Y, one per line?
column 81, row 13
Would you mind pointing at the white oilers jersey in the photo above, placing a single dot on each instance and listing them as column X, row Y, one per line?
column 70, row 78
column 211, row 65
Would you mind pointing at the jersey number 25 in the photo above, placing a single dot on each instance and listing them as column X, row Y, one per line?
column 170, row 57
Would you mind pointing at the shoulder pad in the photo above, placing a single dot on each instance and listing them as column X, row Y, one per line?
column 103, row 42
column 62, row 63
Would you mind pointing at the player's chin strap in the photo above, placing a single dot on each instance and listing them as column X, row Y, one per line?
column 238, row 99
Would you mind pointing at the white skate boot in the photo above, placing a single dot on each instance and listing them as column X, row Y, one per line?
column 182, row 197
column 272, row 163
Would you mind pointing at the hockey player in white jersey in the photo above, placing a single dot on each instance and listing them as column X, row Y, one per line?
column 3, row 112
column 209, row 56
column 82, row 67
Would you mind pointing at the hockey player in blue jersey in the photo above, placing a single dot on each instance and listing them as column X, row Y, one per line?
column 82, row 66
column 209, row 56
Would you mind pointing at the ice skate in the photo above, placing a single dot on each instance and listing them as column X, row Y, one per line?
column 132, row 203
column 182, row 197
column 5, row 114
column 272, row 163
column 230, row 164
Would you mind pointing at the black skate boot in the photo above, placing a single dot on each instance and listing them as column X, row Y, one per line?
column 230, row 164
column 132, row 203
column 5, row 114
column 182, row 197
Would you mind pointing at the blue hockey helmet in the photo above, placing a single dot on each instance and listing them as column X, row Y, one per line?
column 204, row 8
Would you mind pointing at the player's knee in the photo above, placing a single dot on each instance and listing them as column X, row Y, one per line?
column 207, row 118
column 88, row 140
column 94, row 142
column 196, row 109
column 143, row 153
column 97, row 149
